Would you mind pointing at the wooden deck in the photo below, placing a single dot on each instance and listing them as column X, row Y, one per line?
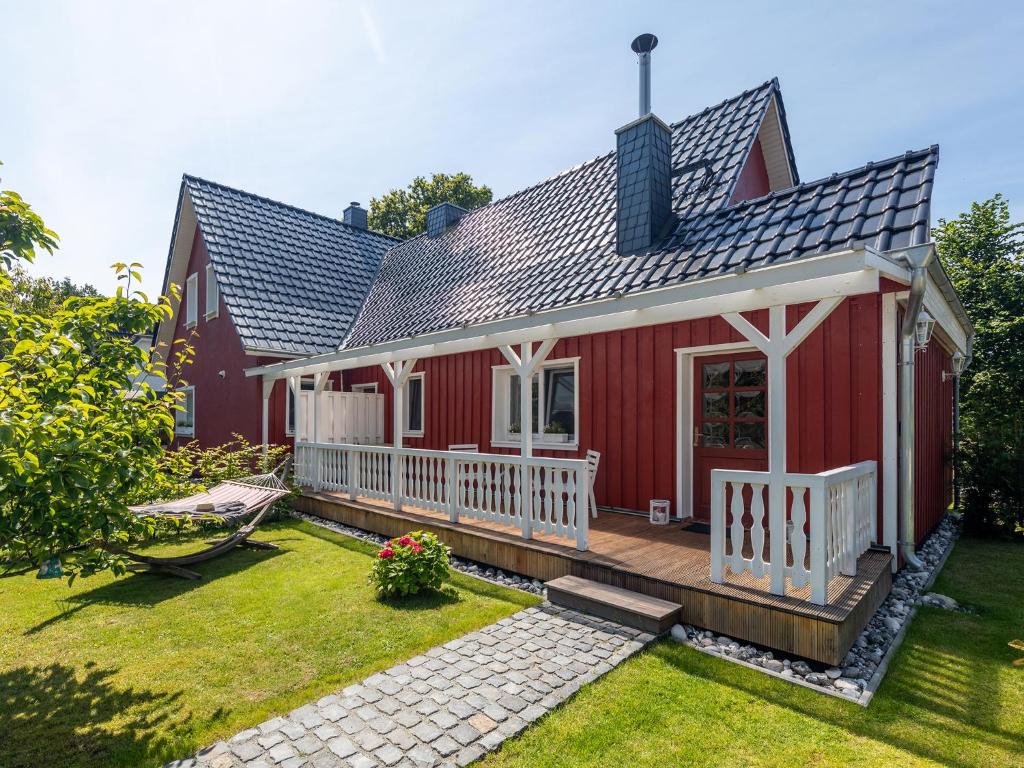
column 666, row 562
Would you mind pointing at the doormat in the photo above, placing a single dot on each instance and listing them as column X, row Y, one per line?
column 695, row 527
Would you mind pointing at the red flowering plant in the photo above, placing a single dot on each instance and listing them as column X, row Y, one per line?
column 409, row 564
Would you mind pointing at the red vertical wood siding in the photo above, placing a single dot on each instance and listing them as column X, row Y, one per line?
column 753, row 181
column 933, row 438
column 627, row 395
column 232, row 404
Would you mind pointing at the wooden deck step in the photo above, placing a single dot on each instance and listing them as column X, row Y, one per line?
column 614, row 603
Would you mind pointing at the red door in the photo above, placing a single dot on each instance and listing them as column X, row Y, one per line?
column 730, row 419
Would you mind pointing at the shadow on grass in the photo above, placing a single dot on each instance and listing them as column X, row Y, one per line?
column 937, row 701
column 146, row 590
column 50, row 715
column 426, row 600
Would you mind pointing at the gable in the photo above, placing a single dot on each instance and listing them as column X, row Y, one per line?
column 293, row 281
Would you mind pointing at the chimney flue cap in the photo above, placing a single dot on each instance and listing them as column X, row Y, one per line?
column 644, row 43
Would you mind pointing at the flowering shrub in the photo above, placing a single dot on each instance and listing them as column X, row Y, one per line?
column 412, row 563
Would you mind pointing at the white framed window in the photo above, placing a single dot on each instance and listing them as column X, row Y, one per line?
column 212, row 293
column 191, row 300
column 413, row 405
column 185, row 419
column 366, row 389
column 556, row 405
column 289, row 403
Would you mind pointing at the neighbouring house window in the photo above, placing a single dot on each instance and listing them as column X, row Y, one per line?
column 555, row 404
column 289, row 405
column 212, row 293
column 185, row 419
column 191, row 297
column 413, row 406
column 370, row 388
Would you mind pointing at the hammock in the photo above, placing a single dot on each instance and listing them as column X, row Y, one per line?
column 228, row 501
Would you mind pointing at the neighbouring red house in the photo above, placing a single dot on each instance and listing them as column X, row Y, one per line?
column 773, row 358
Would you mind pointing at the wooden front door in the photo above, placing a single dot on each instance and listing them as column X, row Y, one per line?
column 730, row 419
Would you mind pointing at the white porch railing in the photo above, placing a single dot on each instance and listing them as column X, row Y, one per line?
column 479, row 486
column 831, row 522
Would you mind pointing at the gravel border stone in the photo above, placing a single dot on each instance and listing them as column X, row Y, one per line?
column 865, row 665
column 480, row 570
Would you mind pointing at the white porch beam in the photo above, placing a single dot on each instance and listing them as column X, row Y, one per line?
column 840, row 274
column 398, row 374
column 748, row 330
column 777, row 446
column 810, row 321
column 268, row 387
column 526, row 435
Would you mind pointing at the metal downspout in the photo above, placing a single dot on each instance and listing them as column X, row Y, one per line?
column 906, row 447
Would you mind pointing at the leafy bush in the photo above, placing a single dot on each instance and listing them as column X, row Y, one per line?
column 191, row 468
column 410, row 564
column 983, row 254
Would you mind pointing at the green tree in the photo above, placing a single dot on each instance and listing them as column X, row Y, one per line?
column 75, row 439
column 402, row 213
column 42, row 295
column 983, row 253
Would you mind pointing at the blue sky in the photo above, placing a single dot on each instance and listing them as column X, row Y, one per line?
column 316, row 104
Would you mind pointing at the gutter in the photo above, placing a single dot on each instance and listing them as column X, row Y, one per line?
column 918, row 260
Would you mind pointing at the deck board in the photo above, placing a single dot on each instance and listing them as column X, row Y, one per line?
column 663, row 561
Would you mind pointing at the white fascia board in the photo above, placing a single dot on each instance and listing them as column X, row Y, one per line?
column 939, row 308
column 844, row 273
column 183, row 237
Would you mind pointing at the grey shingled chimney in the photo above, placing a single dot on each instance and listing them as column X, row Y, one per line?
column 355, row 216
column 643, row 166
column 442, row 216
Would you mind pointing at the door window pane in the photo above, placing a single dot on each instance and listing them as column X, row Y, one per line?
column 715, row 375
column 414, row 404
column 715, row 435
column 716, row 405
column 750, row 435
column 749, row 404
column 751, row 373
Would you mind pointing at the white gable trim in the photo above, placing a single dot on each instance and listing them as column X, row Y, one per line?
column 181, row 249
column 777, row 161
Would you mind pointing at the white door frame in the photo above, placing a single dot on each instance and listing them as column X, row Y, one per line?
column 684, row 416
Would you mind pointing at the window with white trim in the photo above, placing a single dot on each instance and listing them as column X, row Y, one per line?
column 185, row 419
column 289, row 403
column 555, row 403
column 212, row 293
column 191, row 300
column 366, row 389
column 413, row 405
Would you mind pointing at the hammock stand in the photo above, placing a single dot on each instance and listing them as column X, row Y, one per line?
column 227, row 501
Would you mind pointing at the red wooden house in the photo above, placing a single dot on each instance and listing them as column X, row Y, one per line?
column 772, row 357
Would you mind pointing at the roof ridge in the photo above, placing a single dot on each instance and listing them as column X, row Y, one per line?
column 773, row 84
column 910, row 153
column 186, row 177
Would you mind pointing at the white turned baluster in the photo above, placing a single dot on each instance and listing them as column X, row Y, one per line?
column 736, row 561
column 758, row 565
column 799, row 575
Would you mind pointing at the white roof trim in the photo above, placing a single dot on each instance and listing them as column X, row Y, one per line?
column 773, row 146
column 843, row 273
column 181, row 249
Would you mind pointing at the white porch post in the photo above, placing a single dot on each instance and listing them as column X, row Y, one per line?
column 890, row 429
column 319, row 382
column 398, row 375
column 268, row 387
column 777, row 347
column 777, row 446
column 526, row 364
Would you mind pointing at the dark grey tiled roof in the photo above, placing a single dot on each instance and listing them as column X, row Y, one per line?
column 554, row 243
column 293, row 281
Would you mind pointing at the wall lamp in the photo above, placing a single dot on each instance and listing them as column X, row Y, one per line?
column 923, row 330
column 959, row 364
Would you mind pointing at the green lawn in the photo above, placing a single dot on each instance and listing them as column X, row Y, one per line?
column 951, row 698
column 139, row 670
